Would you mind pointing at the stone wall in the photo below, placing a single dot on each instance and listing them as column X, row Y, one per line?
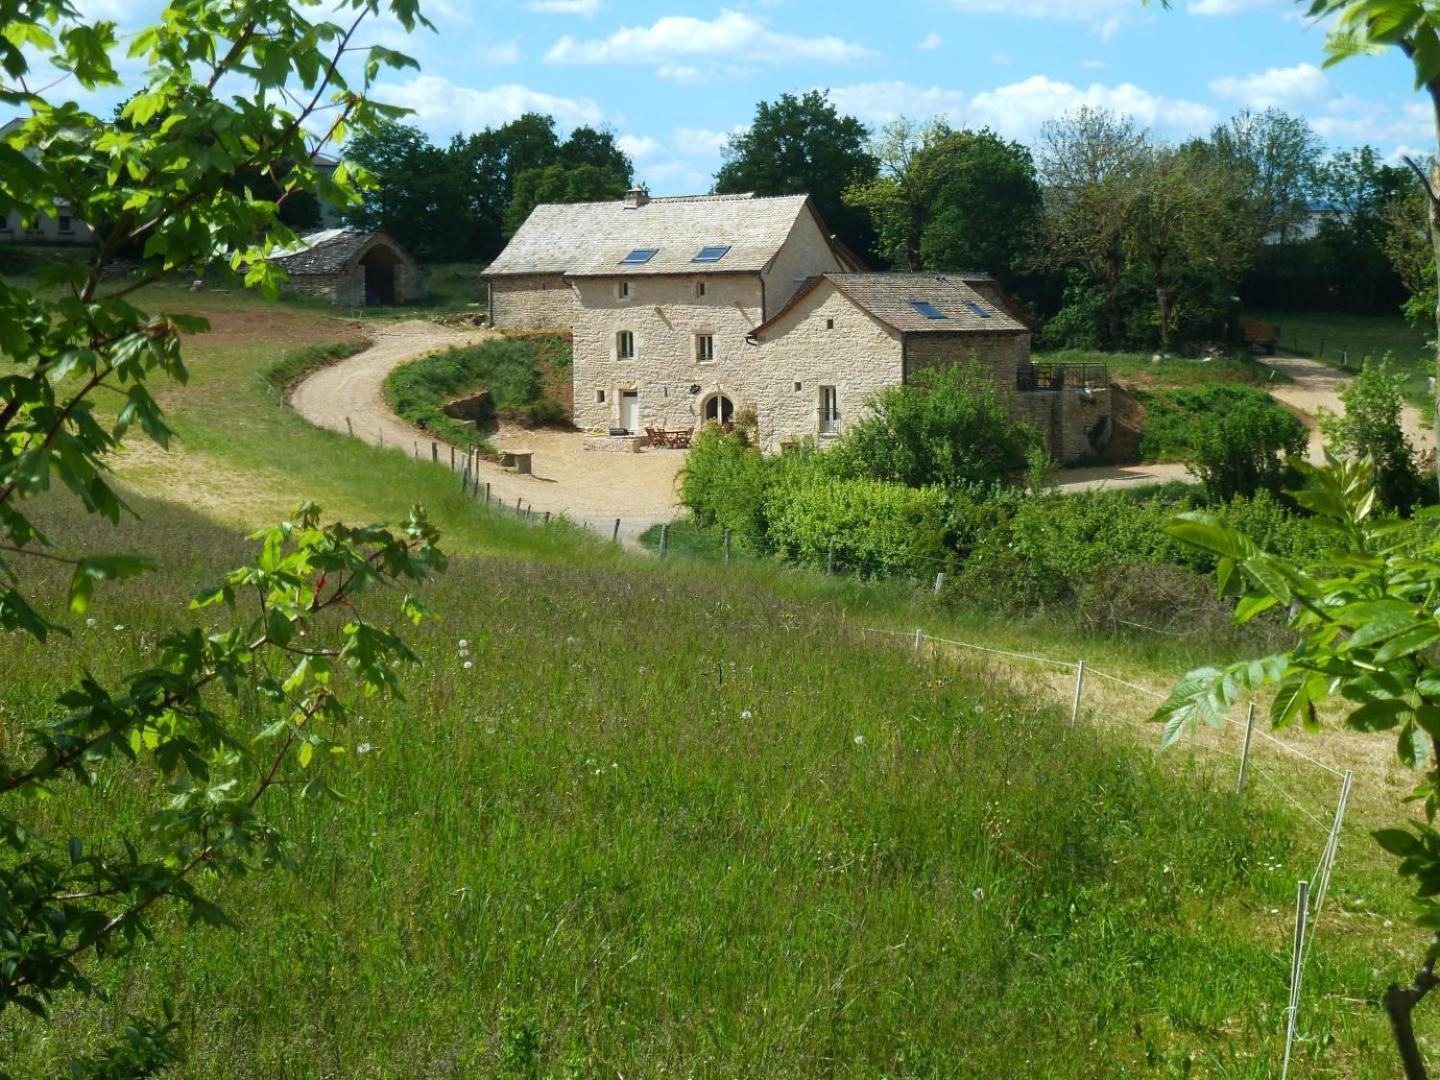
column 825, row 340
column 1067, row 418
column 999, row 354
column 531, row 303
column 805, row 254
column 665, row 315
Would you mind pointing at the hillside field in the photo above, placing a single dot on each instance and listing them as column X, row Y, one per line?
column 687, row 819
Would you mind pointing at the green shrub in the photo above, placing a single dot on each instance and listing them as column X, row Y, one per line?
column 1370, row 427
column 878, row 529
column 1235, row 437
column 948, row 426
column 724, row 486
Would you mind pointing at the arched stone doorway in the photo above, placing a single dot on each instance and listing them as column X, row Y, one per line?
column 718, row 409
column 380, row 263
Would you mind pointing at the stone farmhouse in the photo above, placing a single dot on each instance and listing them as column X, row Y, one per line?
column 690, row 309
column 351, row 268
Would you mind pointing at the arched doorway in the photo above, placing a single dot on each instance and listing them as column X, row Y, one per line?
column 719, row 409
column 379, row 263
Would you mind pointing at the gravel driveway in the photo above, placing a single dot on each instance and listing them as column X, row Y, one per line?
column 592, row 489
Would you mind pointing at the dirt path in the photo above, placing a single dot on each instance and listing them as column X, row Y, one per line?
column 592, row 489
column 1314, row 386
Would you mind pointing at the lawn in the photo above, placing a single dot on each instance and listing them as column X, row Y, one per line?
column 1348, row 340
column 685, row 818
column 1140, row 371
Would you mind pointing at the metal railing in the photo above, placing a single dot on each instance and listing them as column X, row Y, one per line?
column 1031, row 377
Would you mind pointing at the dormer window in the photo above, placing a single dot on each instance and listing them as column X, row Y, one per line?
column 639, row 257
column 711, row 254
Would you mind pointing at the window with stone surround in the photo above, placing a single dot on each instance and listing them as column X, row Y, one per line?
column 599, row 397
column 699, row 289
column 622, row 290
column 625, row 345
column 829, row 411
column 704, row 348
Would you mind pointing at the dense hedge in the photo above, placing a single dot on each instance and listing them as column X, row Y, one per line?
column 999, row 546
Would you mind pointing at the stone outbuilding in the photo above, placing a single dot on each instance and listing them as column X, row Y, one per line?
column 352, row 269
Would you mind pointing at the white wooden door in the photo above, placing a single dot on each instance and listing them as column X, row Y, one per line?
column 630, row 410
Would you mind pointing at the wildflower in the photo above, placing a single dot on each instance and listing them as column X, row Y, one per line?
column 90, row 622
column 464, row 644
column 859, row 740
column 978, row 894
column 364, row 748
column 468, row 664
column 119, row 627
column 747, row 715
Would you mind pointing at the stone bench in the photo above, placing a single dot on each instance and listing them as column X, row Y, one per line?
column 519, row 460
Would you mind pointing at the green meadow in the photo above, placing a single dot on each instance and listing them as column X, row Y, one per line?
column 685, row 818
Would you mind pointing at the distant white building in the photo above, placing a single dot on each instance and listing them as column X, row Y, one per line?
column 62, row 227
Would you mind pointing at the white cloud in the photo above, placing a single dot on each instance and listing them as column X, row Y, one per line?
column 702, row 142
column 443, row 107
column 674, row 176
column 881, row 102
column 507, row 52
column 1105, row 16
column 931, row 40
column 732, row 36
column 1350, row 119
column 1001, row 59
column 1093, row 65
column 1277, row 88
column 1017, row 110
column 682, row 73
column 586, row 8
column 638, row 146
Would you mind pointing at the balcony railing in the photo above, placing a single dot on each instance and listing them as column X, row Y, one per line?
column 1062, row 377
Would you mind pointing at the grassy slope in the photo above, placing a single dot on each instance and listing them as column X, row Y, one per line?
column 581, row 852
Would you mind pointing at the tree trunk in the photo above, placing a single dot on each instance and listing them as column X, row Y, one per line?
column 1162, row 309
column 1400, row 1002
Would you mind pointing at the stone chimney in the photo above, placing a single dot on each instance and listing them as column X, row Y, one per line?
column 635, row 198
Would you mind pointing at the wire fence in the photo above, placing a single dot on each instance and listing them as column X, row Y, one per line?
column 1129, row 703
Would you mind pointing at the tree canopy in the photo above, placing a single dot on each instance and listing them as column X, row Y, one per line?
column 804, row 145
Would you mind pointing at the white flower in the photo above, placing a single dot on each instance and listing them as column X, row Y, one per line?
column 747, row 715
column 89, row 622
column 364, row 748
column 978, row 894
column 119, row 627
column 859, row 740
column 464, row 644
column 469, row 664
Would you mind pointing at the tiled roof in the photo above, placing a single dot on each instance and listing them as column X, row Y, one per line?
column 963, row 300
column 325, row 252
column 591, row 239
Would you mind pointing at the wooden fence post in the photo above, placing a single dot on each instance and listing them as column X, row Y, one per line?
column 1079, row 690
column 349, row 427
column 664, row 540
column 615, row 536
column 939, row 582
column 434, row 453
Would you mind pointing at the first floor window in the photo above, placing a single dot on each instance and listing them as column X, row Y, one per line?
column 699, row 288
column 622, row 290
column 625, row 345
column 829, row 411
column 704, row 348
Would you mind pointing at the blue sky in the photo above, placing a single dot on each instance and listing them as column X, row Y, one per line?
column 673, row 79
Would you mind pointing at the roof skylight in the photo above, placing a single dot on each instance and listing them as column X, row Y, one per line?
column 639, row 257
column 712, row 254
column 977, row 309
column 929, row 310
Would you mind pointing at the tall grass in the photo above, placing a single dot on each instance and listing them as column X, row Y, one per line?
column 660, row 827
